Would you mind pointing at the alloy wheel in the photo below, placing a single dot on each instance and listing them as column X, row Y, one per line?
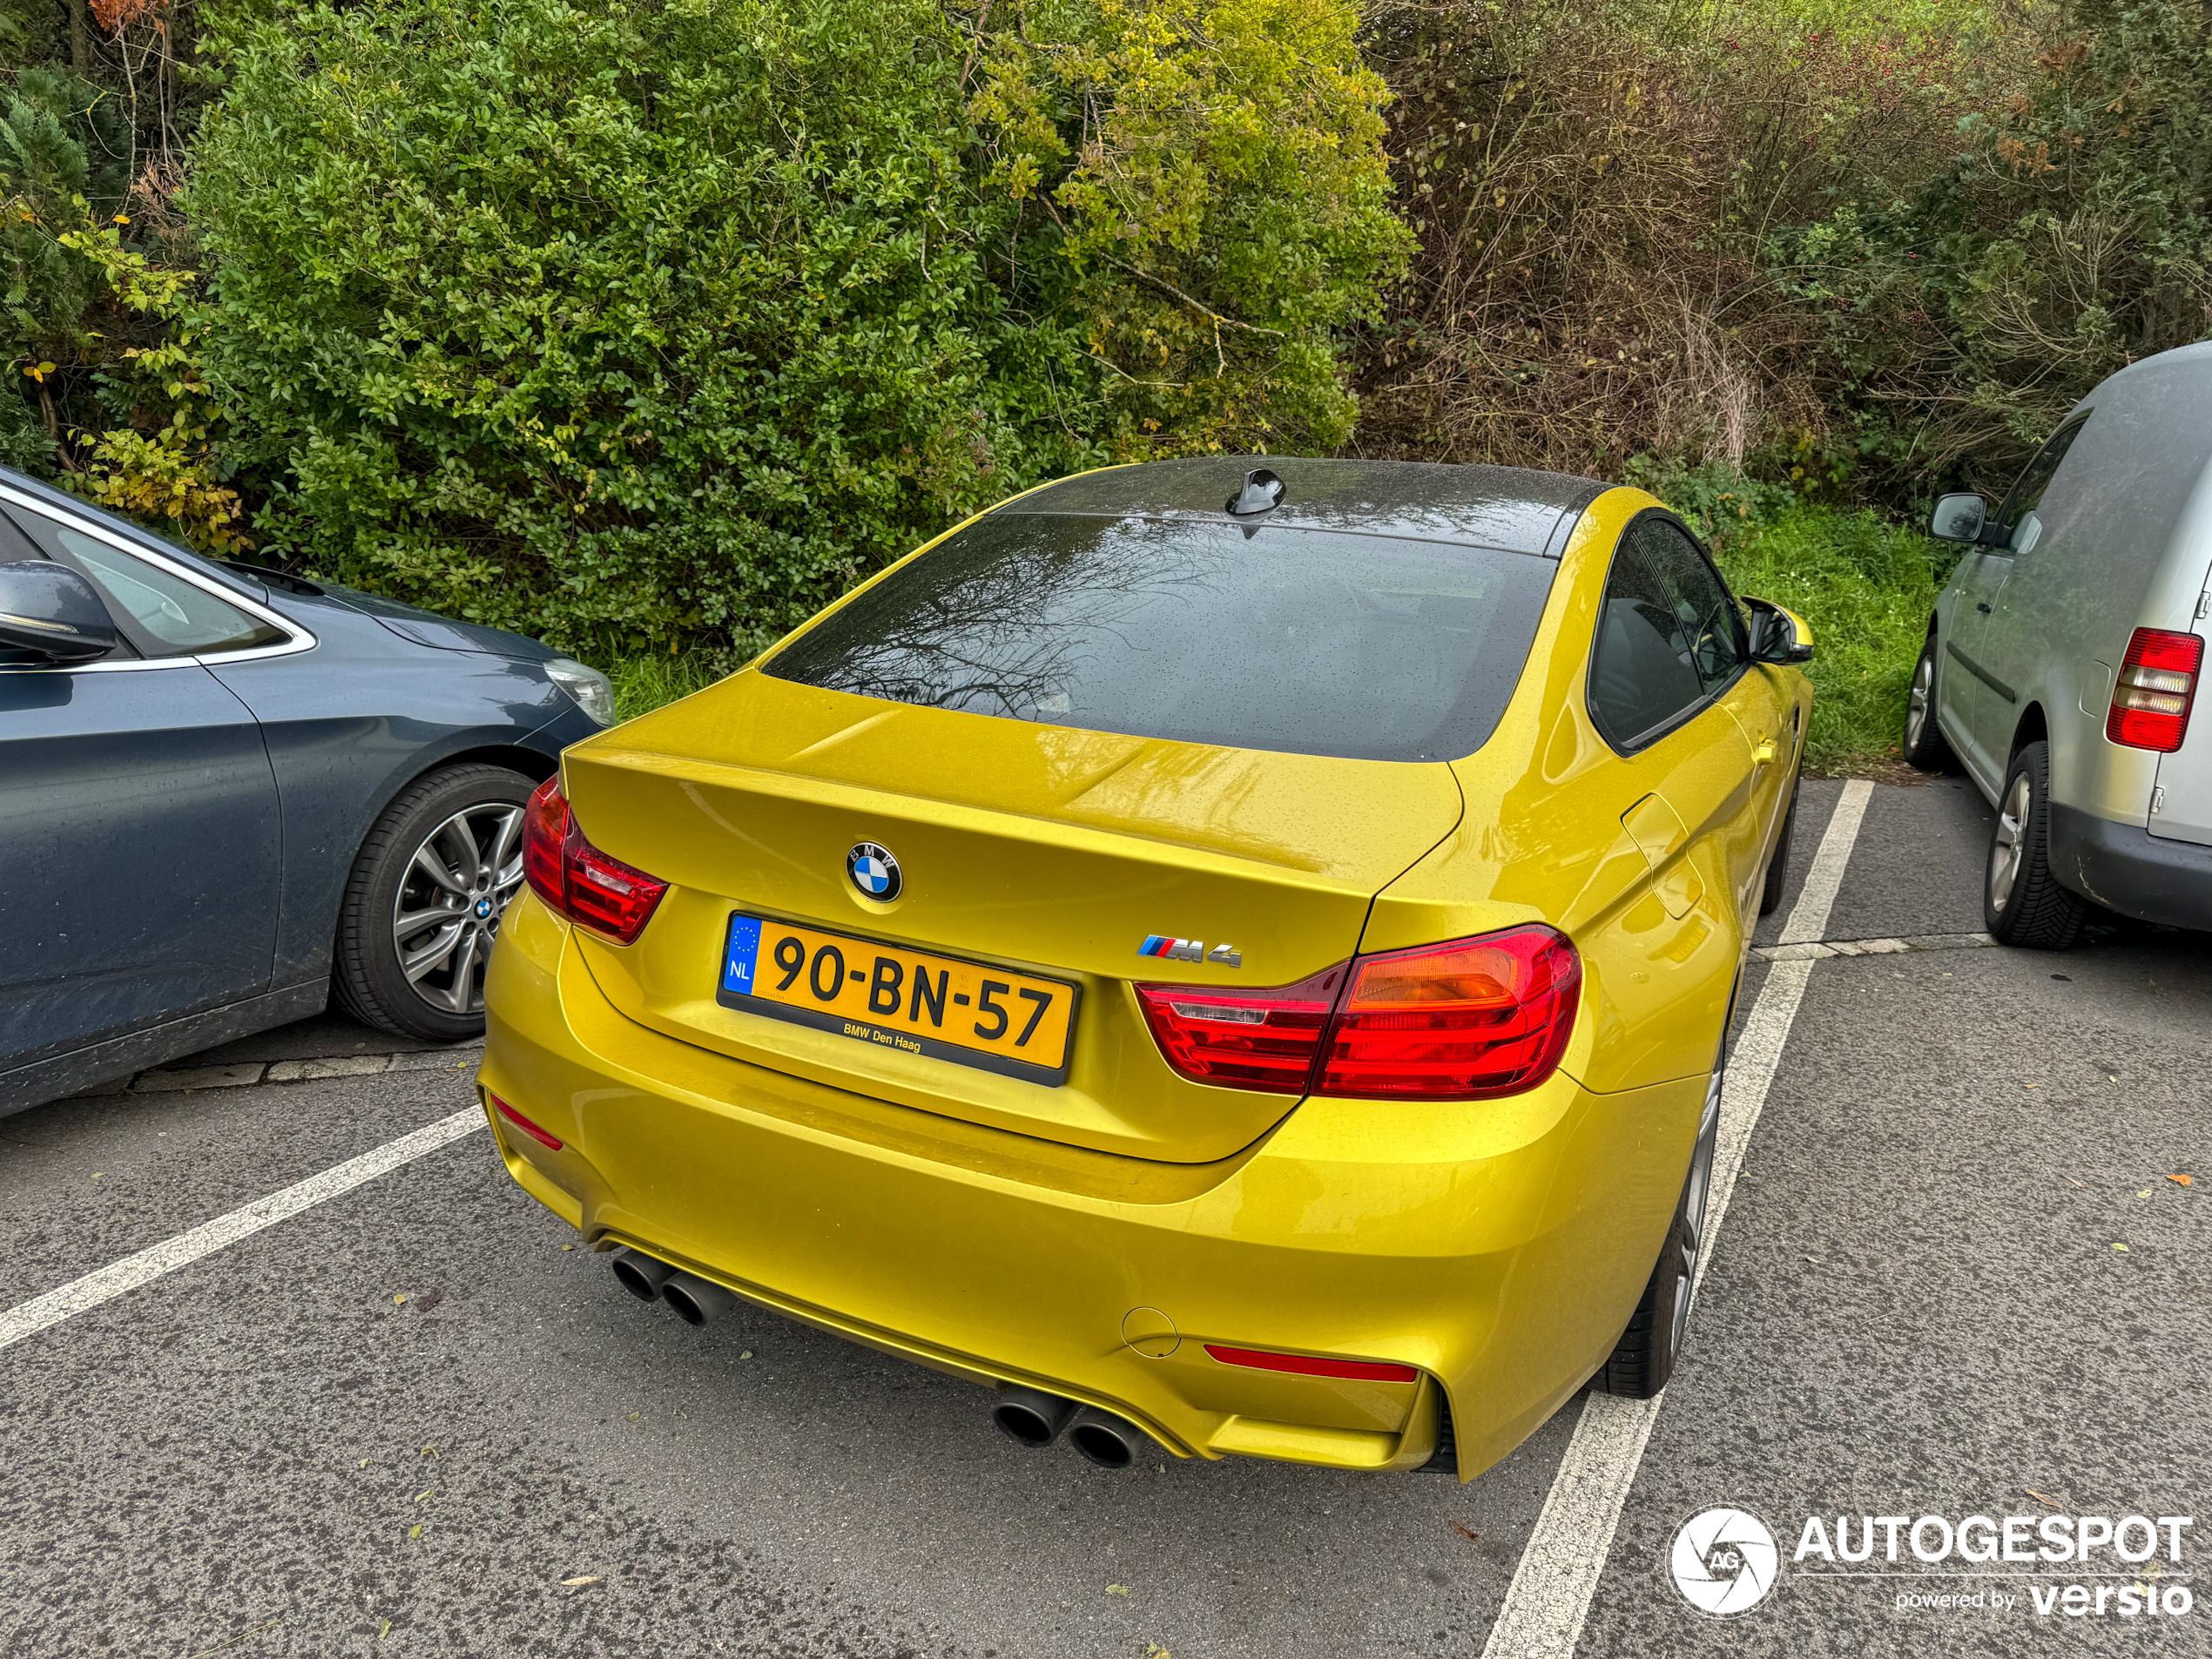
column 458, row 884
column 1699, row 1189
column 1916, row 701
column 2009, row 846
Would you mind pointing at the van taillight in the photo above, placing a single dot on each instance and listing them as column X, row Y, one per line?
column 612, row 899
column 1468, row 1019
column 2150, row 700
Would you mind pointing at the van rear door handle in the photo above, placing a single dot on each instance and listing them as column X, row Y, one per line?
column 1980, row 606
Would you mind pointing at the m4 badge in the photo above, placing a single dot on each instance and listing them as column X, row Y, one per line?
column 1190, row 950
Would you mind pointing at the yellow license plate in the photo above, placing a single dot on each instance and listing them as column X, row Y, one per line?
column 896, row 998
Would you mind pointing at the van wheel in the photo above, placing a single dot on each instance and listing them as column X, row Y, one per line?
column 1925, row 747
column 2021, row 901
column 1644, row 1357
column 424, row 902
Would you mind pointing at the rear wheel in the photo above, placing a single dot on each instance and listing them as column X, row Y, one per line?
column 1925, row 747
column 2023, row 902
column 424, row 902
column 1644, row 1357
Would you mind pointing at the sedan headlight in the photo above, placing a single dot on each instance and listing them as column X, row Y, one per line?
column 593, row 691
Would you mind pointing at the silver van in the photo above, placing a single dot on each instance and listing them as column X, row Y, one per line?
column 2064, row 657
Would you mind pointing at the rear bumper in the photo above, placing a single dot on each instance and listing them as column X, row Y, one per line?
column 2124, row 867
column 1498, row 1247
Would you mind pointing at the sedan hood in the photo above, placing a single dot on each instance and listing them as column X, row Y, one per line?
column 422, row 627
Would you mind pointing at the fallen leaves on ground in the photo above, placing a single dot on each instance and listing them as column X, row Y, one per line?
column 2122, row 1248
column 580, row 1579
column 1472, row 1537
column 1117, row 1589
column 415, row 1531
column 2179, row 1180
column 2041, row 1499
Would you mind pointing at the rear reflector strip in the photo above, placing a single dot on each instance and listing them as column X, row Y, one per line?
column 1306, row 1364
column 524, row 1124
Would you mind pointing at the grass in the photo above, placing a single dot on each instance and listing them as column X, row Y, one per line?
column 1863, row 584
column 643, row 683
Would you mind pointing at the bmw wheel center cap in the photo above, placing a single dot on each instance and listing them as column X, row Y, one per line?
column 873, row 871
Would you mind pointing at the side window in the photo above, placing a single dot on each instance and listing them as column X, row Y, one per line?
column 161, row 614
column 1669, row 635
column 2035, row 477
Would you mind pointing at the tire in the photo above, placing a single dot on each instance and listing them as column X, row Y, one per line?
column 1778, row 864
column 2022, row 903
column 1925, row 747
column 395, row 916
column 1644, row 1357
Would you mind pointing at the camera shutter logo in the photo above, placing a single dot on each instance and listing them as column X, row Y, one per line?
column 1724, row 1560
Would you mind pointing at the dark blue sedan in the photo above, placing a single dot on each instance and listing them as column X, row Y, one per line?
column 228, row 795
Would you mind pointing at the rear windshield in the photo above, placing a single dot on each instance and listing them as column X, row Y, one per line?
column 1308, row 642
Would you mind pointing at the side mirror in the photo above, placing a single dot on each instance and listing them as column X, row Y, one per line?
column 1959, row 518
column 50, row 610
column 1777, row 635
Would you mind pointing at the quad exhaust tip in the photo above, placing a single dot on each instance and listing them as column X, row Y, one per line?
column 1032, row 1416
column 695, row 1300
column 1037, row 1419
column 640, row 1274
column 1109, row 1441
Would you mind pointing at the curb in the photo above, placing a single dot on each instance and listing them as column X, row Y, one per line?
column 162, row 1079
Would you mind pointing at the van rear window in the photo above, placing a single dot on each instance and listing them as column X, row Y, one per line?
column 1302, row 641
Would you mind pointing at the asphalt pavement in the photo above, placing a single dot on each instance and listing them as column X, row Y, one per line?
column 415, row 1418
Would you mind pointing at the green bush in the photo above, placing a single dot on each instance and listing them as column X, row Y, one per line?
column 1866, row 587
column 649, row 327
column 2070, row 234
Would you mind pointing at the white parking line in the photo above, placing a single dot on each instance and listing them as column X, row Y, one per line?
column 1550, row 1594
column 27, row 1319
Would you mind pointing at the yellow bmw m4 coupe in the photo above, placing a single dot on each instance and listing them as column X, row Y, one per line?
column 1229, row 958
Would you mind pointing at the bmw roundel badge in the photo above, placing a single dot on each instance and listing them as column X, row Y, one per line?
column 873, row 871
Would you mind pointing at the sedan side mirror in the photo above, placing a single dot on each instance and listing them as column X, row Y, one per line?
column 1777, row 635
column 1959, row 518
column 50, row 610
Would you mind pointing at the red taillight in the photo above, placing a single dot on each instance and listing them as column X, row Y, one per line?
column 545, row 829
column 2150, row 700
column 524, row 1124
column 1305, row 1365
column 613, row 899
column 1467, row 1019
column 1474, row 1018
column 1239, row 1039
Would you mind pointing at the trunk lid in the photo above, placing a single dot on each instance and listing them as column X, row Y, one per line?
column 1050, row 852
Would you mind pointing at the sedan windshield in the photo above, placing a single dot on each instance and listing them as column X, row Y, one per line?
column 1303, row 641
